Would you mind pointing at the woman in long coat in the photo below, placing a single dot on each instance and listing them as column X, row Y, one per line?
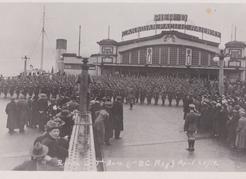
column 232, row 124
column 11, row 111
column 22, row 113
column 117, row 114
column 241, row 132
column 99, row 131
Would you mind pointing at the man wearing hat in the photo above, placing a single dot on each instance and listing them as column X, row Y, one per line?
column 66, row 116
column 108, row 123
column 117, row 114
column 190, row 126
column 11, row 111
column 42, row 105
column 240, row 142
column 40, row 161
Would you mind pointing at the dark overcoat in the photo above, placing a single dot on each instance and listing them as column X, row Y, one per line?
column 117, row 114
column 11, row 111
column 22, row 112
column 56, row 149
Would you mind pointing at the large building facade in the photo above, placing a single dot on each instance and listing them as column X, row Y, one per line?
column 170, row 52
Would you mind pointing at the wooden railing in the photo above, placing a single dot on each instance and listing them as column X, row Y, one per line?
column 82, row 155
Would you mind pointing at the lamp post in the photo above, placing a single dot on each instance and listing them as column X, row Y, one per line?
column 188, row 65
column 220, row 58
column 83, row 81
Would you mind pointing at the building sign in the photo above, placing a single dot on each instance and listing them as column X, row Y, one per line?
column 234, row 63
column 107, row 50
column 107, row 60
column 72, row 66
column 149, row 56
column 170, row 17
column 188, row 57
column 172, row 26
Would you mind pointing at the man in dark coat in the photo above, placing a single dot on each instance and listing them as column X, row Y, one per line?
column 11, row 111
column 22, row 113
column 42, row 105
column 117, row 114
column 186, row 102
column 108, row 123
column 66, row 116
column 40, row 161
column 190, row 126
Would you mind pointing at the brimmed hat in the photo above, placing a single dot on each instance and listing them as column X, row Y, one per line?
column 103, row 113
column 192, row 106
column 218, row 105
column 58, row 121
column 52, row 125
column 42, row 95
column 242, row 112
column 108, row 104
column 39, row 150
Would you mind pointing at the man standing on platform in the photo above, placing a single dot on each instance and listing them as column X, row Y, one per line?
column 117, row 113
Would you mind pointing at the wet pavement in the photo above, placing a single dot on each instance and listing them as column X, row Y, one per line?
column 153, row 140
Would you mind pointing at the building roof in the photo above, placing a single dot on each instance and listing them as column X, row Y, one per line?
column 176, row 33
column 107, row 42
column 237, row 44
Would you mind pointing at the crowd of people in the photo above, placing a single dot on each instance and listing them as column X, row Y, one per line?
column 52, row 115
column 38, row 100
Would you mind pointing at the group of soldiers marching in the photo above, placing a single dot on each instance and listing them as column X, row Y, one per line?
column 151, row 90
column 31, row 85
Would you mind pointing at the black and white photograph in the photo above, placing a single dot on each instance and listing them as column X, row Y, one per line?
column 123, row 87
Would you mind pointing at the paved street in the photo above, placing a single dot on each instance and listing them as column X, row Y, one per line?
column 153, row 140
column 14, row 149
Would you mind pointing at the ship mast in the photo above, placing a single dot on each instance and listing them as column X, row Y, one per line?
column 79, row 39
column 42, row 45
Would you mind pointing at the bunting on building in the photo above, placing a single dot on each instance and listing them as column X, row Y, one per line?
column 149, row 56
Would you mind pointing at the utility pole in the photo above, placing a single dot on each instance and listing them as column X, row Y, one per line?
column 25, row 63
column 108, row 31
column 79, row 39
column 42, row 45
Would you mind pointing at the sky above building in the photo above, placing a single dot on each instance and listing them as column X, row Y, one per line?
column 21, row 25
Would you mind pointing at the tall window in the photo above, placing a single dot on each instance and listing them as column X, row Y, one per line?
column 195, row 57
column 235, row 53
column 125, row 58
column 173, row 55
column 134, row 58
column 164, row 55
column 155, row 56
